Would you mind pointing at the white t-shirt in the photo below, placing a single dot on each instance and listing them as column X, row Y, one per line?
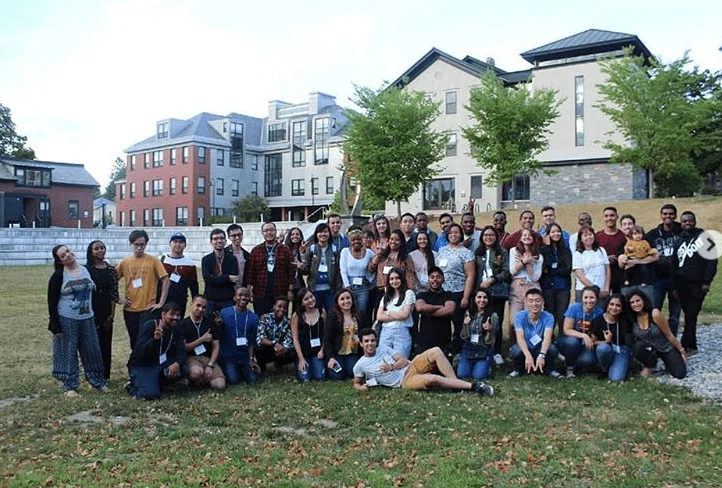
column 368, row 367
column 594, row 266
column 409, row 299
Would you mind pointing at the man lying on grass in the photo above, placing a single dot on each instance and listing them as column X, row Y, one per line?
column 385, row 367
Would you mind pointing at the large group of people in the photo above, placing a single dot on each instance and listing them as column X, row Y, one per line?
column 402, row 307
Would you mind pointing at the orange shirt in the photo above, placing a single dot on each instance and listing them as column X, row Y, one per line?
column 142, row 276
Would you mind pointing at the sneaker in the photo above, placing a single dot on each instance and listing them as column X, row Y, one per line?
column 72, row 394
column 482, row 388
column 556, row 375
column 570, row 374
column 690, row 352
column 498, row 359
column 513, row 374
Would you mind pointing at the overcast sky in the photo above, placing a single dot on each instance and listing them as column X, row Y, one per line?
column 87, row 79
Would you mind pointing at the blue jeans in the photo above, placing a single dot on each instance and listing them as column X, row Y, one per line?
column 661, row 288
column 347, row 363
column 315, row 369
column 146, row 381
column 235, row 372
column 518, row 359
column 615, row 364
column 324, row 299
column 576, row 354
column 361, row 297
column 398, row 339
column 478, row 369
column 78, row 336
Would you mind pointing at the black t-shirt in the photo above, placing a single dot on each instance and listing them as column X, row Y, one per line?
column 619, row 330
column 192, row 333
column 434, row 331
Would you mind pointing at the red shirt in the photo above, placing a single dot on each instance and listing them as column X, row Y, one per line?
column 283, row 271
column 610, row 243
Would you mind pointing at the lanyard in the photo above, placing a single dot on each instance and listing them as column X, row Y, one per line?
column 245, row 325
column 170, row 341
column 198, row 327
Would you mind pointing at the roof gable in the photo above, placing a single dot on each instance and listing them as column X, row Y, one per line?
column 591, row 41
column 62, row 173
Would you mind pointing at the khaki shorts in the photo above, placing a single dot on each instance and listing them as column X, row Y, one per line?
column 203, row 361
column 414, row 378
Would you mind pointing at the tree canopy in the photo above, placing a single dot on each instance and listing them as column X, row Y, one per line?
column 670, row 116
column 512, row 123
column 391, row 143
column 117, row 172
column 12, row 143
column 250, row 208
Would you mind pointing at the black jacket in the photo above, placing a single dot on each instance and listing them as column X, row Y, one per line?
column 664, row 242
column 687, row 265
column 218, row 287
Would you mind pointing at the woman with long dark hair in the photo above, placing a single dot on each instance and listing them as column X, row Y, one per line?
column 590, row 263
column 70, row 307
column 382, row 234
column 105, row 297
column 610, row 333
column 295, row 242
column 424, row 259
column 556, row 281
column 525, row 266
column 341, row 341
column 478, row 334
column 307, row 330
column 492, row 273
column 395, row 313
column 322, row 267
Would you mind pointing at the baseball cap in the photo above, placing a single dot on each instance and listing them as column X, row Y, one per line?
column 178, row 236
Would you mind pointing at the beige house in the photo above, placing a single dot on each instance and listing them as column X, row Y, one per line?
column 583, row 171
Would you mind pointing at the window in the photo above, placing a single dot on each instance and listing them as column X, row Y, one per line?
column 451, row 145
column 157, row 188
column 440, row 194
column 201, row 214
column 184, row 185
column 517, row 189
column 236, row 160
column 314, row 186
column 173, row 156
column 132, row 162
column 157, row 159
column 146, row 161
column 132, row 218
column 163, row 130
column 579, row 110
column 236, row 129
column 32, row 177
column 299, row 144
column 132, row 190
column 146, row 188
column 157, row 217
column 297, row 188
column 201, row 155
column 219, row 186
column 122, row 192
column 273, row 175
column 171, row 186
column 475, row 185
column 450, row 99
column 254, row 188
column 254, row 162
column 181, row 216
column 329, row 185
column 277, row 132
column 234, row 188
column 186, row 154
column 201, row 185
column 73, row 209
column 122, row 219
column 220, row 156
column 146, row 217
column 320, row 141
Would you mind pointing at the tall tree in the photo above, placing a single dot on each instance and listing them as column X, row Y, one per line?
column 250, row 208
column 117, row 172
column 391, row 142
column 11, row 143
column 669, row 115
column 512, row 123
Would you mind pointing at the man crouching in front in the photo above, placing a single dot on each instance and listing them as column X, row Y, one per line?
column 384, row 367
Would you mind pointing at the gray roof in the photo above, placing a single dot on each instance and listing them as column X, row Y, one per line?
column 62, row 173
column 591, row 41
column 98, row 202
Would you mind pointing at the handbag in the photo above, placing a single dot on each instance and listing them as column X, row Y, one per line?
column 476, row 351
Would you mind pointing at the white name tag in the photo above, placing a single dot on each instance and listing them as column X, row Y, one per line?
column 315, row 342
column 138, row 282
column 616, row 348
column 199, row 349
column 443, row 263
column 554, row 265
column 175, row 277
column 241, row 341
column 322, row 268
column 270, row 267
column 475, row 338
column 535, row 339
column 387, row 269
column 163, row 358
column 357, row 281
column 371, row 381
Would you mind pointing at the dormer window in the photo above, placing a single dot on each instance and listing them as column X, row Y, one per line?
column 163, row 130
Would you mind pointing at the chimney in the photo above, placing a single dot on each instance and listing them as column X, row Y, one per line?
column 490, row 61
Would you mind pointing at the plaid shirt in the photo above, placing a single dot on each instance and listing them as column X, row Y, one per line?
column 279, row 332
column 284, row 271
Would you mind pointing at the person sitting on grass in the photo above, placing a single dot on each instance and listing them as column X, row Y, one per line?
column 478, row 334
column 274, row 341
column 386, row 367
column 534, row 329
column 240, row 327
column 307, row 325
column 576, row 343
column 159, row 356
column 201, row 337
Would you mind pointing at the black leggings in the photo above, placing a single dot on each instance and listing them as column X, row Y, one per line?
column 673, row 360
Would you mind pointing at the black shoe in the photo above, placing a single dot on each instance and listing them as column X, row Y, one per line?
column 482, row 388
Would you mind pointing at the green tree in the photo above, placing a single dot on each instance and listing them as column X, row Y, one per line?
column 670, row 117
column 117, row 172
column 11, row 143
column 250, row 208
column 512, row 123
column 391, row 142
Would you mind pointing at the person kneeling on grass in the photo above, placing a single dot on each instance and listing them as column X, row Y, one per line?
column 202, row 337
column 159, row 356
column 534, row 328
column 386, row 367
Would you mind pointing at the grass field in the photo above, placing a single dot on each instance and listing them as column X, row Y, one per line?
column 534, row 432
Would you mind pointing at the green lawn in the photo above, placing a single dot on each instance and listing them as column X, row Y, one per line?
column 535, row 431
